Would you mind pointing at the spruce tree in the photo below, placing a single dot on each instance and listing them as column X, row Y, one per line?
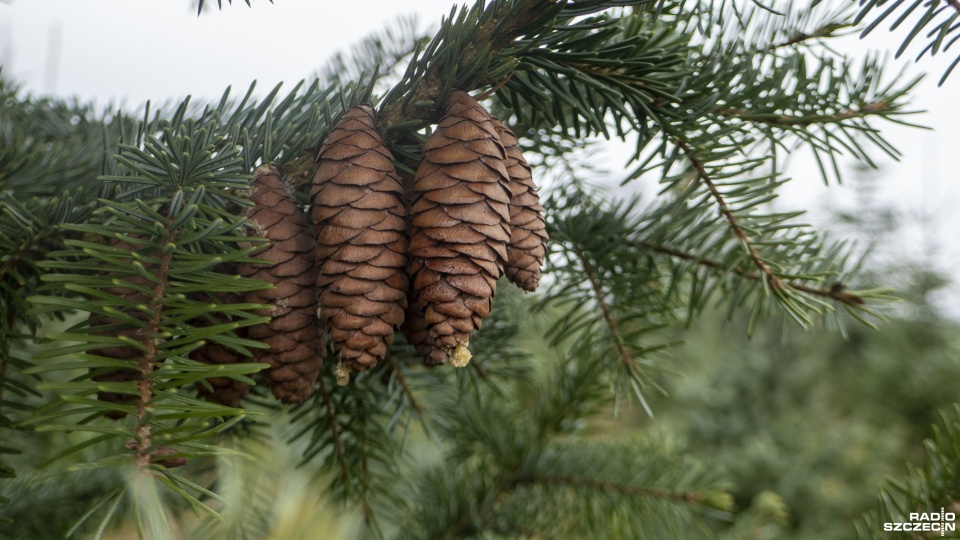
column 152, row 297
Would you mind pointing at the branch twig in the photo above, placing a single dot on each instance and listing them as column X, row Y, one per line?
column 402, row 381
column 835, row 292
column 786, row 120
column 365, row 467
column 334, row 428
column 594, row 280
column 825, row 31
column 772, row 280
column 146, row 364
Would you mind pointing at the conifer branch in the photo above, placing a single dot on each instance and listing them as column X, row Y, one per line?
column 402, row 381
column 481, row 372
column 13, row 258
column 148, row 359
column 365, row 468
column 825, row 31
column 836, row 292
column 426, row 102
column 504, row 485
column 772, row 280
column 625, row 358
column 4, row 353
column 785, row 120
column 334, row 430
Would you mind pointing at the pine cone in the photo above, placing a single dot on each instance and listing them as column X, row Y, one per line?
column 460, row 226
column 297, row 343
column 360, row 218
column 226, row 391
column 415, row 329
column 122, row 352
column 528, row 232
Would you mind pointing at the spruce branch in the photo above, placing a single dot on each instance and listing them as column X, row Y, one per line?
column 481, row 371
column 368, row 517
column 470, row 519
column 148, row 359
column 625, row 358
column 14, row 258
column 827, row 30
column 836, row 291
column 331, row 413
column 424, row 104
column 927, row 487
column 876, row 108
column 402, row 381
column 768, row 276
column 939, row 16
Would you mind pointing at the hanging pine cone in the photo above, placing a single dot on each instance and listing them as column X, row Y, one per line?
column 460, row 226
column 296, row 341
column 226, row 391
column 415, row 329
column 360, row 216
column 123, row 352
column 528, row 232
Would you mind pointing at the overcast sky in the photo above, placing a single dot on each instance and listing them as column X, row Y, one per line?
column 126, row 52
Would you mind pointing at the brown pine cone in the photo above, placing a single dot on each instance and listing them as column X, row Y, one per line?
column 122, row 352
column 460, row 226
column 360, row 216
column 226, row 391
column 415, row 329
column 528, row 232
column 296, row 340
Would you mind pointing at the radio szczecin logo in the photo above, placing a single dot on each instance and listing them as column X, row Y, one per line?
column 941, row 522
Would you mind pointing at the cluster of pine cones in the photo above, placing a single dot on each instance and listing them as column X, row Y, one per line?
column 377, row 259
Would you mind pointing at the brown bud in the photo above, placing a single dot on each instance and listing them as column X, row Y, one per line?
column 360, row 216
column 528, row 232
column 460, row 224
column 169, row 463
column 294, row 335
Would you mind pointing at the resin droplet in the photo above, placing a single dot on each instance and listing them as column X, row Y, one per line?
column 461, row 356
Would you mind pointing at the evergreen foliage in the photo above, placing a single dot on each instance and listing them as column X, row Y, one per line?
column 116, row 229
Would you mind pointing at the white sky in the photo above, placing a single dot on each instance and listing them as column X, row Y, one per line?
column 126, row 51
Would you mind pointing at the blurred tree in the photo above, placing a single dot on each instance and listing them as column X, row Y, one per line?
column 118, row 235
